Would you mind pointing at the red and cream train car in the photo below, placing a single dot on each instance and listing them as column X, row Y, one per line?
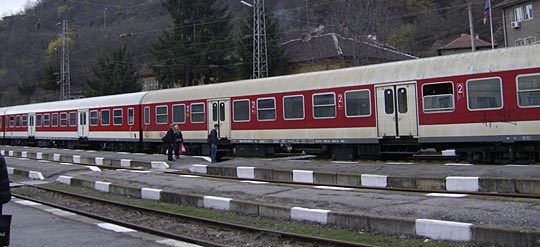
column 484, row 104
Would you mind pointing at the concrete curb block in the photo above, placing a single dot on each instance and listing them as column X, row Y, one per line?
column 39, row 155
column 3, row 152
column 436, row 229
column 24, row 154
column 57, row 157
column 36, row 175
column 302, row 176
column 466, row 184
column 11, row 153
column 10, row 170
column 245, row 172
column 125, row 163
column 160, row 165
column 308, row 214
column 202, row 169
column 64, row 180
column 371, row 180
column 444, row 230
column 76, row 159
column 98, row 161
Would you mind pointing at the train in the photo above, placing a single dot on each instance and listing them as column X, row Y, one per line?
column 485, row 105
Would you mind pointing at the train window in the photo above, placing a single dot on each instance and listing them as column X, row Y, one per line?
column 94, row 118
column 24, row 120
column 357, row 103
column 118, row 119
column 39, row 119
column 63, row 119
column 266, row 109
column 131, row 116
column 389, row 101
column 197, row 113
column 147, row 115
column 324, row 105
column 241, row 110
column 73, row 118
column 484, row 94
column 528, row 87
column 54, row 120
column 11, row 121
column 105, row 117
column 179, row 113
column 293, row 107
column 162, row 115
column 46, row 120
column 402, row 100
column 18, row 121
column 1, row 122
column 438, row 97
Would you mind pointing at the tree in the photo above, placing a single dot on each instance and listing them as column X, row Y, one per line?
column 277, row 59
column 26, row 90
column 51, row 78
column 114, row 74
column 195, row 50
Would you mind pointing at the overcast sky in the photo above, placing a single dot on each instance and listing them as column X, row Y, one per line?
column 8, row 7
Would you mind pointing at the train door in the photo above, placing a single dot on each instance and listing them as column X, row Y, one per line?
column 397, row 114
column 219, row 112
column 82, row 126
column 31, row 124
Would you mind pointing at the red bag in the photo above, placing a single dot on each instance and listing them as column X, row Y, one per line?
column 182, row 148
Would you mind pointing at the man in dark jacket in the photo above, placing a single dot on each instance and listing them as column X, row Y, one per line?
column 5, row 191
column 170, row 138
column 178, row 141
column 213, row 139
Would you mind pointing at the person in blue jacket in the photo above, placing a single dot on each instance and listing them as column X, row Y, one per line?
column 213, row 140
column 5, row 191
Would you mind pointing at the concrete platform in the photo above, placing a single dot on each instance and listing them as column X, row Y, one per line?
column 438, row 216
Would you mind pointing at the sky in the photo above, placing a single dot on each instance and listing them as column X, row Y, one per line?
column 8, row 7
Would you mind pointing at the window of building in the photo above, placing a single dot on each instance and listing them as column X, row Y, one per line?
column 241, row 110
column 528, row 88
column 46, row 120
column 105, row 117
column 118, row 119
column 179, row 113
column 357, row 103
column 266, row 109
column 518, row 14
column 529, row 40
column 484, row 94
column 520, row 42
column 24, row 120
column 131, row 116
column 324, row 105
column 94, row 118
column 54, row 120
column 162, row 114
column 293, row 107
column 528, row 11
column 63, row 119
column 197, row 113
column 73, row 118
column 438, row 97
column 147, row 115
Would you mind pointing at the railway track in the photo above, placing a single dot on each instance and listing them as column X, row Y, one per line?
column 229, row 234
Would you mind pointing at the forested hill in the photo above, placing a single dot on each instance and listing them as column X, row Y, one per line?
column 30, row 41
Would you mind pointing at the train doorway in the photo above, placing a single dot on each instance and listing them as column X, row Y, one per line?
column 397, row 114
column 82, row 128
column 31, row 124
column 219, row 112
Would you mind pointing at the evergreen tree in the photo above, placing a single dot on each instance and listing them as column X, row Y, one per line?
column 276, row 57
column 51, row 78
column 114, row 74
column 26, row 90
column 195, row 50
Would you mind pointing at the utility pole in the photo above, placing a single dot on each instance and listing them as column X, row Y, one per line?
column 471, row 27
column 65, row 84
column 260, row 60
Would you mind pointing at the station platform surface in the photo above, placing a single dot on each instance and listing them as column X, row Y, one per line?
column 456, row 217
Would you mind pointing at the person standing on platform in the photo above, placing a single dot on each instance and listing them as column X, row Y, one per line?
column 213, row 140
column 178, row 141
column 5, row 191
column 170, row 139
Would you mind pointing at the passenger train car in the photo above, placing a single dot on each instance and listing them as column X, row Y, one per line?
column 486, row 105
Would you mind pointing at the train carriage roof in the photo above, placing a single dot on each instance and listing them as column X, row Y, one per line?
column 85, row 103
column 409, row 70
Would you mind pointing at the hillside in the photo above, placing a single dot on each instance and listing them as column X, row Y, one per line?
column 98, row 26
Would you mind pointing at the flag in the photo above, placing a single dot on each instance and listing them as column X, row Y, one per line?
column 486, row 11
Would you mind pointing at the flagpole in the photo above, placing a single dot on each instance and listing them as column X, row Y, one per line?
column 491, row 26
